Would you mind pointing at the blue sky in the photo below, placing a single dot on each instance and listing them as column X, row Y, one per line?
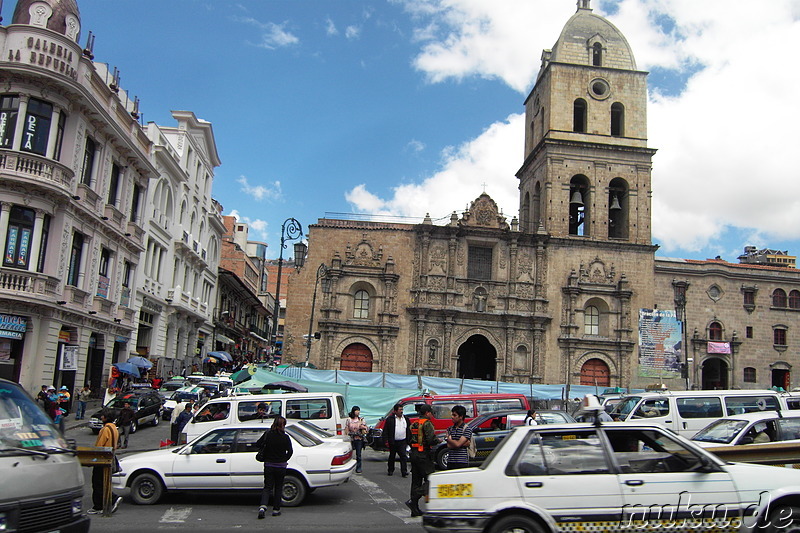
column 408, row 107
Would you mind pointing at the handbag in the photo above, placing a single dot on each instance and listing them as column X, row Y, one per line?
column 260, row 455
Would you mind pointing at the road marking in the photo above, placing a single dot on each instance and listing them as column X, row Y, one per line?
column 386, row 502
column 176, row 515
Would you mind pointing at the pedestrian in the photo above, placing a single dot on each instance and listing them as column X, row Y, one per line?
column 423, row 441
column 277, row 449
column 125, row 420
column 396, row 430
column 64, row 399
column 458, row 437
column 174, row 434
column 83, row 398
column 109, row 437
column 42, row 396
column 183, row 419
column 530, row 418
column 356, row 428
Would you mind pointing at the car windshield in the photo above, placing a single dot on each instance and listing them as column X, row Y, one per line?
column 303, row 437
column 174, row 385
column 119, row 403
column 24, row 428
column 315, row 429
column 183, row 395
column 722, row 431
column 625, row 406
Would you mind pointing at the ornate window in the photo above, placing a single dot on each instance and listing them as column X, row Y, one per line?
column 779, row 298
column 715, row 331
column 479, row 264
column 361, row 304
column 591, row 321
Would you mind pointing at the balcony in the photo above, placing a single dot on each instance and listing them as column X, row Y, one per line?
column 37, row 169
column 23, row 282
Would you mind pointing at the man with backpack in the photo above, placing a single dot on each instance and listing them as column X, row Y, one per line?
column 423, row 441
column 458, row 438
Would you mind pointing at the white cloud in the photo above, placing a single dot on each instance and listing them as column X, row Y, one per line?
column 726, row 137
column 273, row 35
column 257, row 228
column 259, row 192
column 330, row 27
column 415, row 146
column 352, row 32
column 491, row 160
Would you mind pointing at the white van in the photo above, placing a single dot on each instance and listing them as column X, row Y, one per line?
column 687, row 412
column 325, row 409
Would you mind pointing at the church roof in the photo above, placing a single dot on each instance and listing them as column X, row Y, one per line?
column 584, row 28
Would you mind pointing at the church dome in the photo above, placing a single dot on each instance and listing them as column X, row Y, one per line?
column 585, row 30
column 61, row 16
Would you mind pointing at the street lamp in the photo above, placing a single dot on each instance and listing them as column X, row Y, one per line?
column 322, row 272
column 290, row 230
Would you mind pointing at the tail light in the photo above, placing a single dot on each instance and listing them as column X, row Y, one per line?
column 341, row 459
column 339, row 429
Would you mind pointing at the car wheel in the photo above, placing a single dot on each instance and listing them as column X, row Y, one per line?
column 134, row 426
column 146, row 489
column 294, row 490
column 783, row 519
column 156, row 419
column 441, row 458
column 515, row 523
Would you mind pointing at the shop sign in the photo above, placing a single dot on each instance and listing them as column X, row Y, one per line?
column 69, row 357
column 13, row 323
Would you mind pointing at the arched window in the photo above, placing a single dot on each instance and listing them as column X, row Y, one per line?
column 617, row 119
column 591, row 321
column 361, row 304
column 578, row 206
column 537, row 205
column 715, row 331
column 597, row 55
column 618, row 209
column 779, row 298
column 525, row 214
column 749, row 375
column 794, row 300
column 579, row 116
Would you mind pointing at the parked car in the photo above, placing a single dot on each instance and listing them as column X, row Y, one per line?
column 179, row 396
column 750, row 428
column 500, row 424
column 320, row 433
column 442, row 405
column 146, row 405
column 225, row 458
column 611, row 477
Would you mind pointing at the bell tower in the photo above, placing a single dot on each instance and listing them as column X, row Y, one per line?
column 587, row 168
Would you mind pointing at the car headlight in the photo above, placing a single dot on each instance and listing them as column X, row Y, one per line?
column 76, row 506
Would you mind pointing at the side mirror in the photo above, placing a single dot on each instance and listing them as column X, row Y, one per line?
column 747, row 439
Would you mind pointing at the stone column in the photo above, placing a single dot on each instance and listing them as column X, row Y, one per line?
column 36, row 240
column 52, row 137
column 20, row 127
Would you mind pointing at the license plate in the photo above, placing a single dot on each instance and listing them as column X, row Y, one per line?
column 455, row 490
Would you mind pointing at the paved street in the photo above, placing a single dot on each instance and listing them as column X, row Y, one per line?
column 369, row 500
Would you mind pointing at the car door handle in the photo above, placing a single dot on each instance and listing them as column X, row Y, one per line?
column 634, row 482
column 221, row 460
column 534, row 484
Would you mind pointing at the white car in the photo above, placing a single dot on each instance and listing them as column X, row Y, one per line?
column 750, row 428
column 610, row 477
column 181, row 395
column 320, row 433
column 225, row 458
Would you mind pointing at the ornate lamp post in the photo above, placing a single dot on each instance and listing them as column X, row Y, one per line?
column 322, row 272
column 290, row 230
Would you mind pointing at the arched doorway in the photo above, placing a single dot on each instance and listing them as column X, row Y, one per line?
column 477, row 359
column 714, row 374
column 357, row 357
column 595, row 372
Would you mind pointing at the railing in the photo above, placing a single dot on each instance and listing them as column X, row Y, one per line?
column 37, row 168
column 23, row 281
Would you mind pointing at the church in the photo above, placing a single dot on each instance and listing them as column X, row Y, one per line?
column 569, row 292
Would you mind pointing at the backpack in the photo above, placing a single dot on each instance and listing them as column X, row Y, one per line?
column 472, row 451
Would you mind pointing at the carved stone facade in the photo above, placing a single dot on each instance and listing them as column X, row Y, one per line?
column 556, row 296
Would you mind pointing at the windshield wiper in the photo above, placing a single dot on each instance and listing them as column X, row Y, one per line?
column 24, row 450
column 59, row 449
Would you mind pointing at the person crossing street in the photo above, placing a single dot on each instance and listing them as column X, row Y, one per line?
column 423, row 441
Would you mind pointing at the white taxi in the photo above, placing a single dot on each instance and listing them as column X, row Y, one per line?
column 225, row 458
column 610, row 477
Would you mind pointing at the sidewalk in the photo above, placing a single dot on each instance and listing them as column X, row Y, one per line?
column 92, row 406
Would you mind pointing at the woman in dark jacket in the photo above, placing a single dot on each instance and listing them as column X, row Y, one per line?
column 277, row 448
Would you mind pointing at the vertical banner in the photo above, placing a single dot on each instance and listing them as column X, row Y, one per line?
column 660, row 344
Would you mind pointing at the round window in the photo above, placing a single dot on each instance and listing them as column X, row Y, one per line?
column 599, row 89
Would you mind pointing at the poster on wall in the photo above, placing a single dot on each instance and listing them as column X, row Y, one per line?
column 69, row 357
column 660, row 344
